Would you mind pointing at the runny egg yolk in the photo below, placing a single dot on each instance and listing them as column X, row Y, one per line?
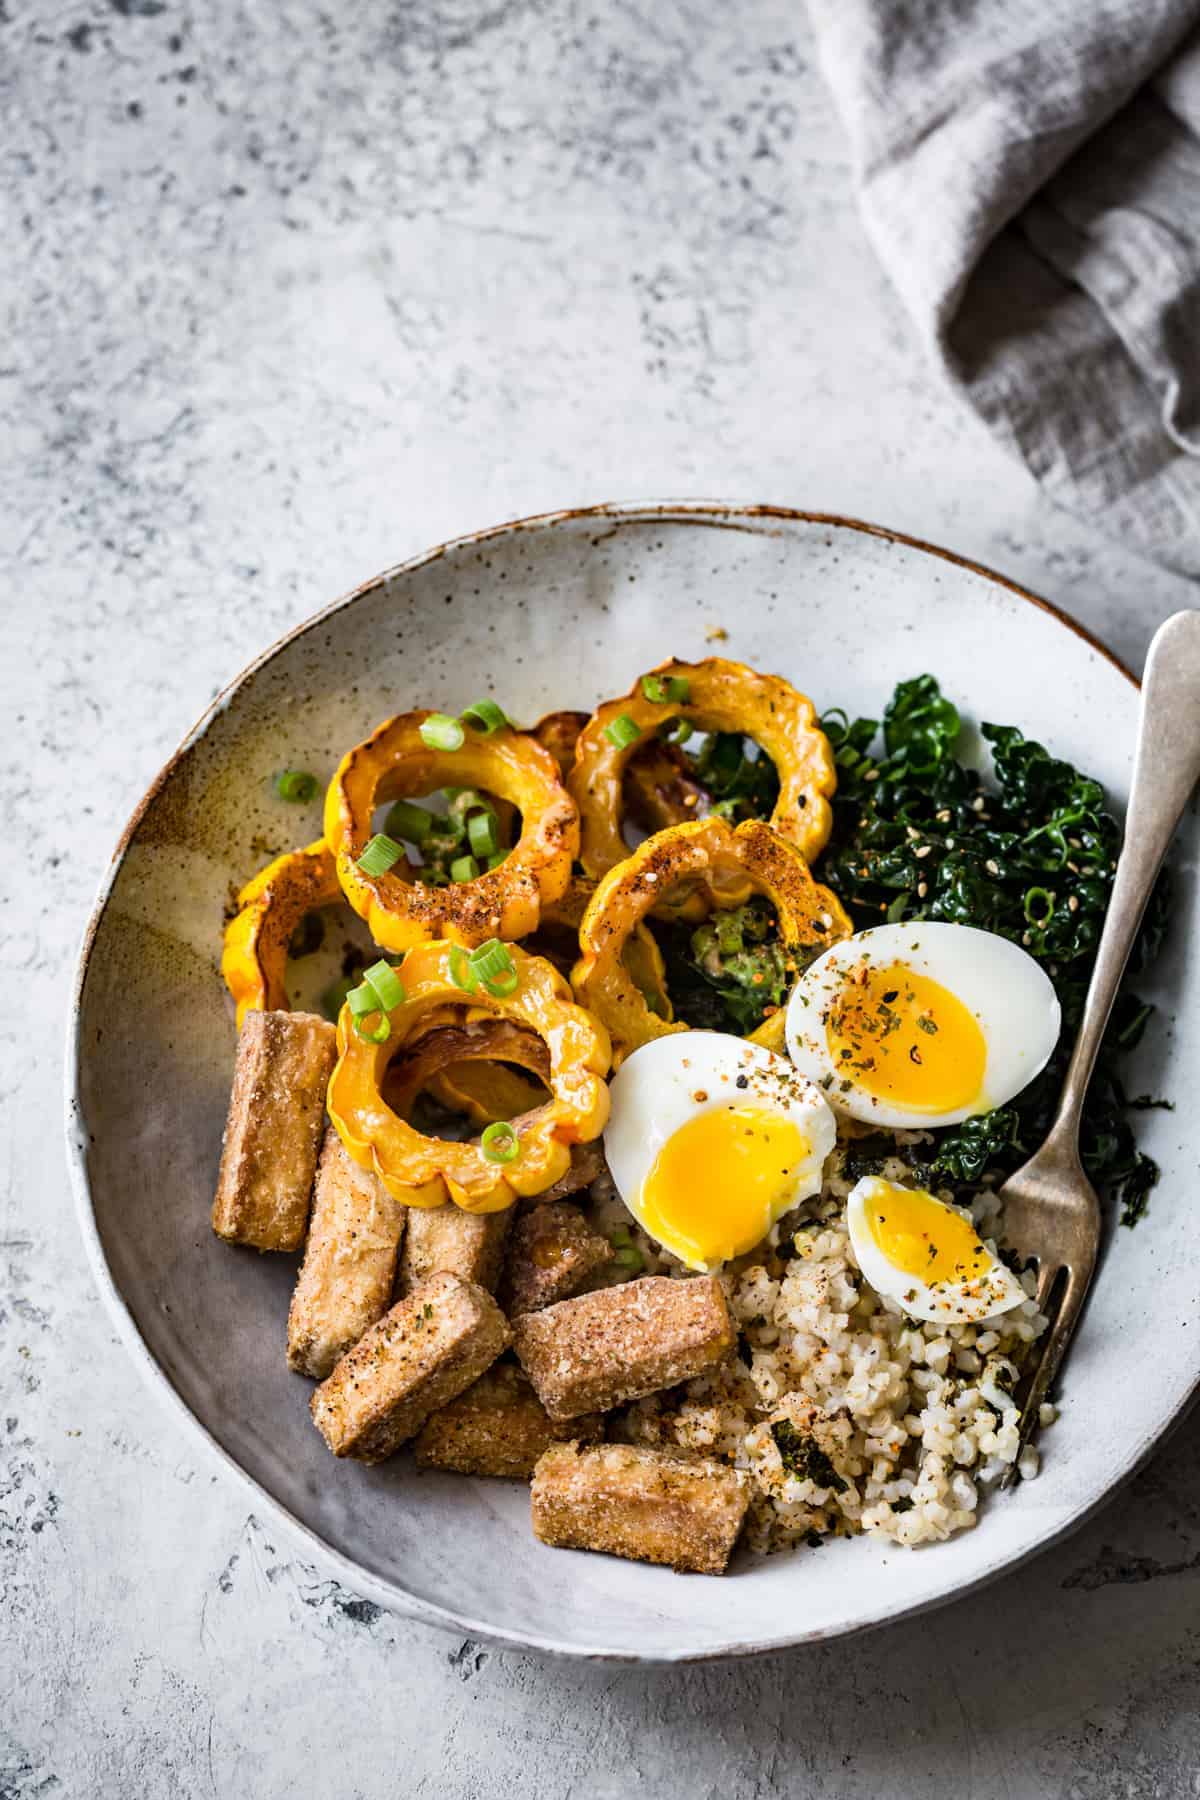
column 919, row 1236
column 719, row 1182
column 906, row 1039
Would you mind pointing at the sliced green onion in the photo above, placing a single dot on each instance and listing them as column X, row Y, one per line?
column 378, row 1034
column 493, row 862
column 622, row 731
column 677, row 731
column 380, row 854
column 298, row 786
column 897, row 909
column 501, row 986
column 631, row 1258
column 491, row 959
column 412, row 823
column 619, row 1237
column 500, row 1143
column 387, row 985
column 461, row 972
column 485, row 716
column 441, row 732
column 362, row 1000
column 464, row 868
column 659, row 688
column 1039, row 905
column 483, row 834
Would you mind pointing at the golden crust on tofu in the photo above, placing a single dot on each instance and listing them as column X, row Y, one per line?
column 640, row 1504
column 551, row 1252
column 417, row 1358
column 498, row 1427
column 273, row 1131
column 349, row 1261
column 469, row 1245
column 601, row 1349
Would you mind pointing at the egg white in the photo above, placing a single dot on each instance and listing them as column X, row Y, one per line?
column 1010, row 996
column 991, row 1291
column 672, row 1080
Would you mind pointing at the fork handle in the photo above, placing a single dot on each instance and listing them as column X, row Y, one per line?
column 1166, row 767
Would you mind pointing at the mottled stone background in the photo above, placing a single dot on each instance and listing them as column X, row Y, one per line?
column 291, row 293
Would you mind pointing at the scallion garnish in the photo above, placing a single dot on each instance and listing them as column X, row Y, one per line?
column 464, row 868
column 387, row 985
column 461, row 972
column 412, row 823
column 662, row 688
column 379, row 855
column 677, row 731
column 622, row 731
column 500, row 1143
column 631, row 1258
column 485, row 716
column 483, row 834
column 374, row 1034
column 491, row 959
column 298, row 786
column 441, row 732
column 499, row 856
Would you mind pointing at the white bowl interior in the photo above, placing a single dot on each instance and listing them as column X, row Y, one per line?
column 556, row 613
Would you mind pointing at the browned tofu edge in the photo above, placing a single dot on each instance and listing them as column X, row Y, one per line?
column 497, row 1427
column 639, row 1503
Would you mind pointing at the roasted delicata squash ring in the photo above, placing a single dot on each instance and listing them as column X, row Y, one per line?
column 658, row 789
column 559, row 733
column 504, row 902
column 721, row 696
column 442, row 1059
column 425, row 1171
column 255, row 951
column 810, row 917
column 641, row 956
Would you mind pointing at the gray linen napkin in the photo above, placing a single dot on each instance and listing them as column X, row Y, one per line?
column 1029, row 173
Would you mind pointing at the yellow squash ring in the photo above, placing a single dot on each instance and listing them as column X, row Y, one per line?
column 424, row 1171
column 504, row 902
column 255, row 951
column 722, row 696
column 810, row 917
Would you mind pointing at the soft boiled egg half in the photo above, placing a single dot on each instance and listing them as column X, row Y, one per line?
column 927, row 1256
column 923, row 1024
column 710, row 1140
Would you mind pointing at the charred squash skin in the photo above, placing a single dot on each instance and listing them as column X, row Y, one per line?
column 722, row 696
column 677, row 861
column 255, row 951
column 505, row 902
column 425, row 1171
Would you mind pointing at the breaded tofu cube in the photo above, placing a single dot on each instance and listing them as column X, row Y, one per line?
column 349, row 1267
column 587, row 1165
column 498, row 1427
column 470, row 1245
column 639, row 1503
column 273, row 1132
column 551, row 1252
column 417, row 1358
column 601, row 1349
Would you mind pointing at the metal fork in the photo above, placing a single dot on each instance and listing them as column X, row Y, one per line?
column 1051, row 1212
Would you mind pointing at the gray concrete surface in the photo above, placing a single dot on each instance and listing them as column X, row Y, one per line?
column 292, row 293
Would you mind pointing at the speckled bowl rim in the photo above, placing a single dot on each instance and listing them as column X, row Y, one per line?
column 706, row 513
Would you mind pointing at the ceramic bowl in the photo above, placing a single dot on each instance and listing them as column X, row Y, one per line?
column 563, row 611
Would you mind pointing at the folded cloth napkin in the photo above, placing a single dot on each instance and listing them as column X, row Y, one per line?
column 1029, row 172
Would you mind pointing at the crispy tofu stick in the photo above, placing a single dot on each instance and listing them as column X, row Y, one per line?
column 273, row 1132
column 349, row 1261
column 469, row 1245
column 551, row 1252
column 498, row 1427
column 639, row 1503
column 419, row 1357
column 601, row 1349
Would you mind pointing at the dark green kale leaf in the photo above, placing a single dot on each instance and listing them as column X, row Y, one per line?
column 918, row 835
column 728, row 971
